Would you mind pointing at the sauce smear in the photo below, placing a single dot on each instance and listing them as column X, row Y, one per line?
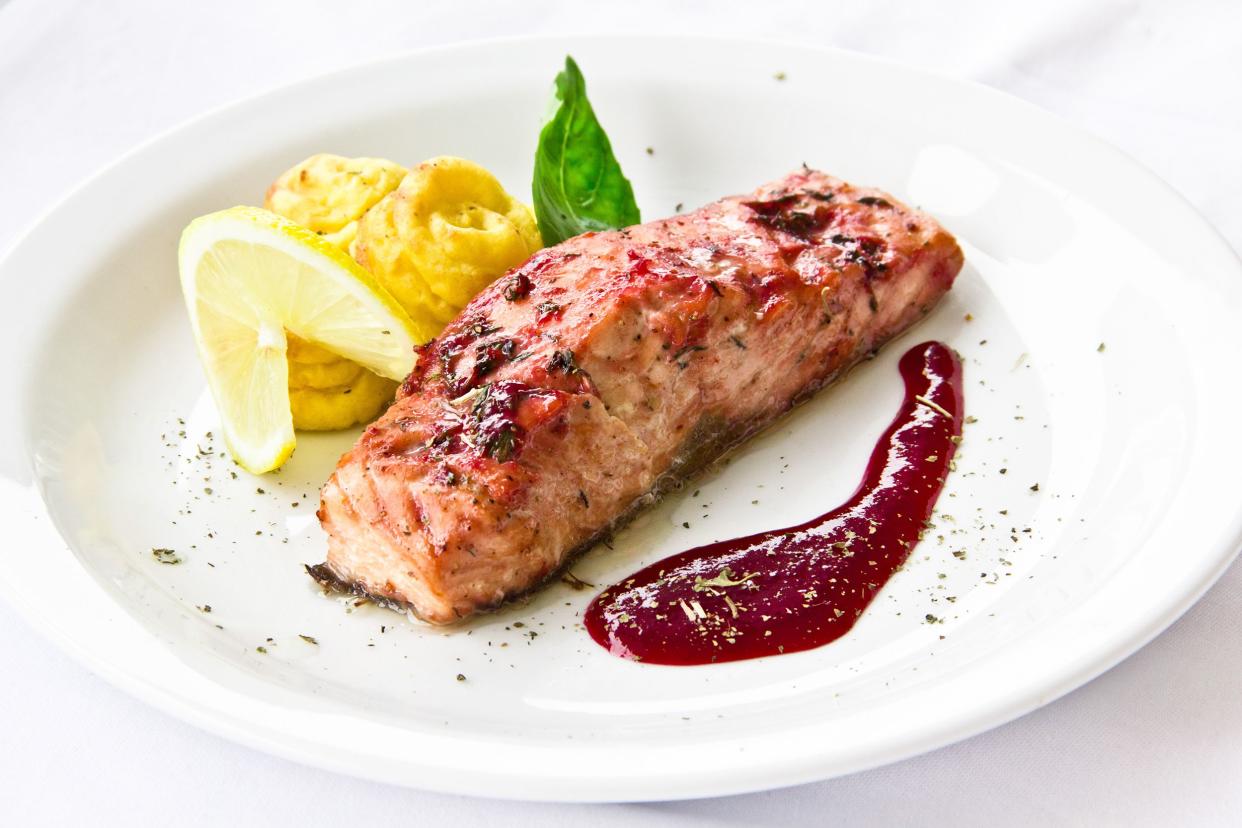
column 798, row 588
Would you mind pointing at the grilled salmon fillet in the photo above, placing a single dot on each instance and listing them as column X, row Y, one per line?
column 585, row 383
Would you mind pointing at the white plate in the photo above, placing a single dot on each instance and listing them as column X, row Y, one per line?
column 1068, row 243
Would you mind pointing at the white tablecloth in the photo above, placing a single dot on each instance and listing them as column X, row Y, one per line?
column 1158, row 740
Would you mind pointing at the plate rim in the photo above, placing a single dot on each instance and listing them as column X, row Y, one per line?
column 528, row 785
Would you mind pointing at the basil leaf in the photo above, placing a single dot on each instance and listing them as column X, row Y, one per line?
column 578, row 183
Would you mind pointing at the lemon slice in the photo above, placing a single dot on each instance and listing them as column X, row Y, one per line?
column 249, row 276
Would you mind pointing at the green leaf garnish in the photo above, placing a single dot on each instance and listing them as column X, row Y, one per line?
column 578, row 183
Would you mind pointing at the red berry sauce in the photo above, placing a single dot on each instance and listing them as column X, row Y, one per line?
column 798, row 588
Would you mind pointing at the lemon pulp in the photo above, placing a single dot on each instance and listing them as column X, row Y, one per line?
column 249, row 276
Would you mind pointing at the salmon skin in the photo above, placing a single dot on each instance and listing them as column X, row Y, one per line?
column 581, row 386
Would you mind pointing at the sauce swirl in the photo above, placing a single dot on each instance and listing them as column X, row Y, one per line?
column 798, row 588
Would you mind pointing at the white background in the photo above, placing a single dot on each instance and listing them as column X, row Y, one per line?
column 1158, row 740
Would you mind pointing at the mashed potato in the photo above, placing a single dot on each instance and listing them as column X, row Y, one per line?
column 445, row 233
column 433, row 236
column 327, row 392
column 328, row 194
